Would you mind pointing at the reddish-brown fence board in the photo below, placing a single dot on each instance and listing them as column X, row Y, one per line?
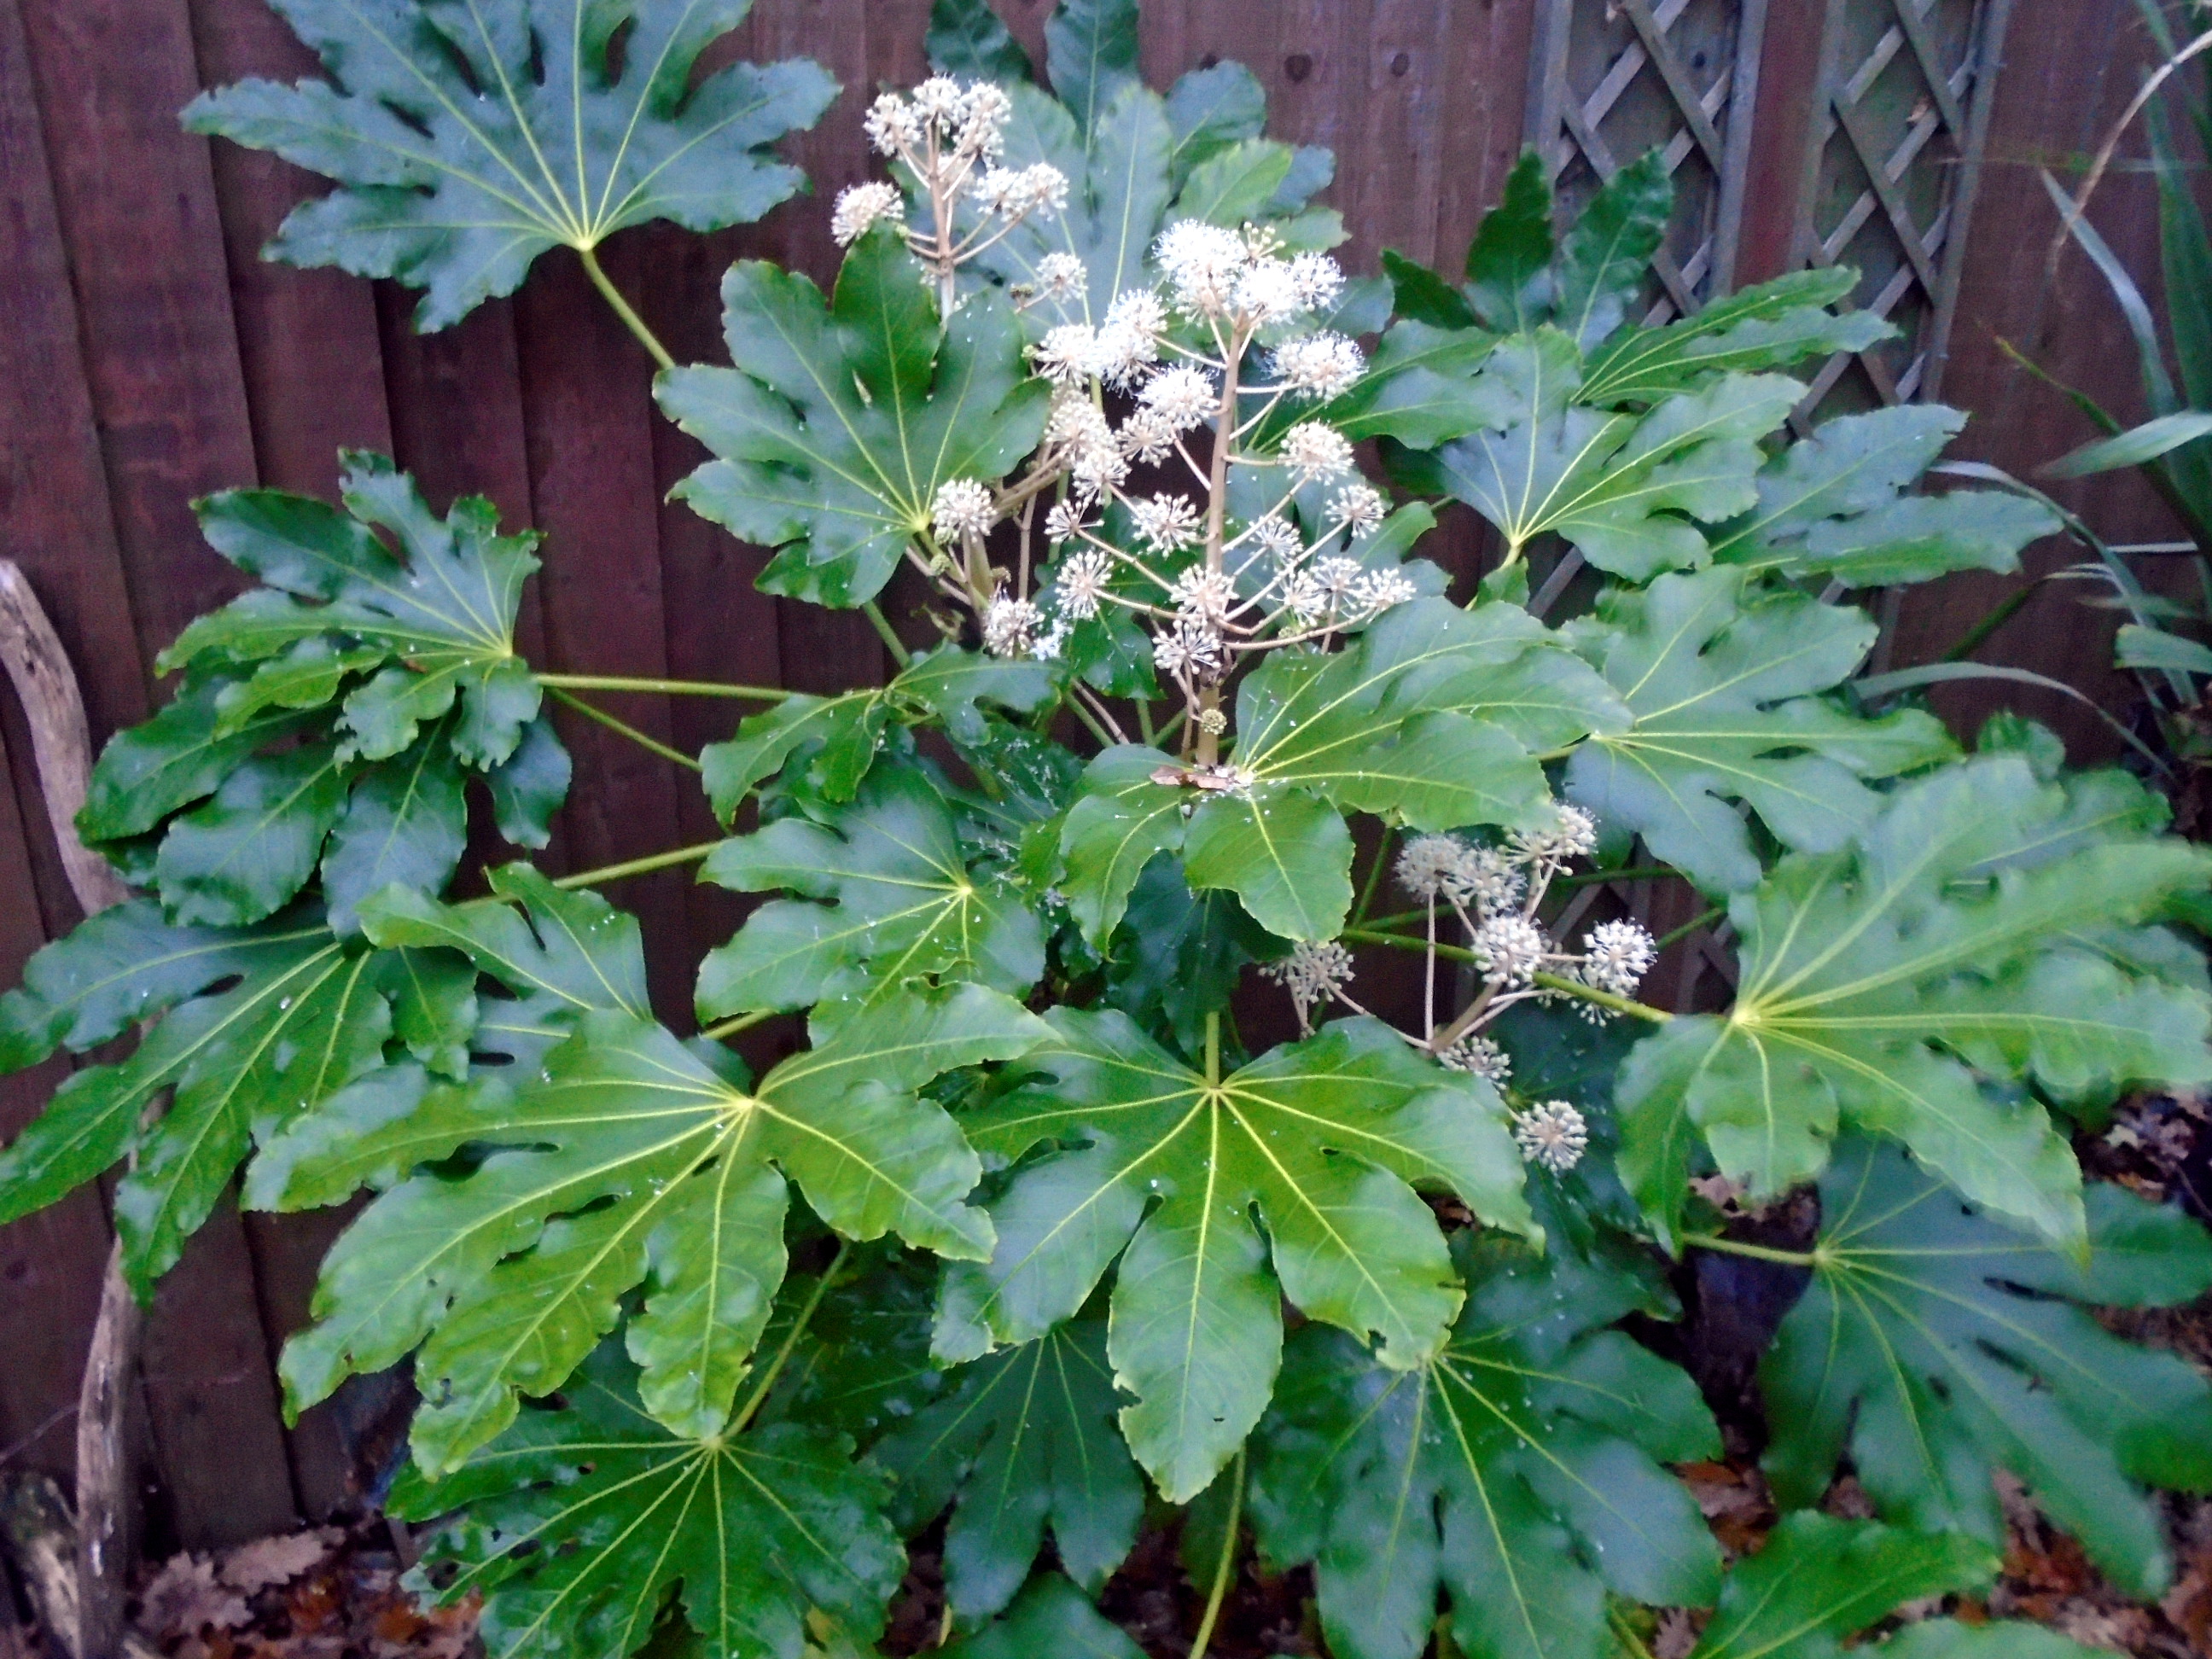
column 146, row 356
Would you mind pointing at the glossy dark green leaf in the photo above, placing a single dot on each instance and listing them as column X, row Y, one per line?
column 1725, row 686
column 886, row 897
column 440, row 613
column 1773, row 325
column 1091, row 53
column 580, row 1521
column 1210, row 109
column 405, row 821
column 1519, row 1471
column 467, row 141
column 844, row 416
column 1178, row 955
column 1026, row 1441
column 1509, row 285
column 148, row 771
column 1602, row 262
column 1820, row 1581
column 244, row 853
column 1935, row 1344
column 967, row 39
column 1050, row 1617
column 1322, row 1137
column 1835, row 505
column 1906, row 985
column 1630, row 490
column 530, row 786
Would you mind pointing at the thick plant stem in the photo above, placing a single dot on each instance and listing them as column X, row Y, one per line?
column 754, row 1401
column 624, row 728
column 631, row 320
column 644, row 867
column 1219, row 1592
column 1212, row 1048
column 1703, row 919
column 884, row 631
column 1756, row 1252
column 662, row 688
column 737, row 1023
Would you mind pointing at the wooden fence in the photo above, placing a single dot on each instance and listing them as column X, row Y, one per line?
column 146, row 356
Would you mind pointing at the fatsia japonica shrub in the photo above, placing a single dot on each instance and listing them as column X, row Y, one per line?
column 1028, row 1245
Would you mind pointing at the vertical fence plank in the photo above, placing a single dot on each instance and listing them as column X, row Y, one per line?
column 136, row 209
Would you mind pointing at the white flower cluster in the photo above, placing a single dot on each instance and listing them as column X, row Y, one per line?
column 1480, row 1055
column 1552, row 1133
column 1495, row 892
column 1016, row 628
column 949, row 136
column 1266, row 581
column 1312, row 972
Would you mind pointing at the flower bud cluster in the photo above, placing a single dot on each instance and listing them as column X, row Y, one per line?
column 949, row 137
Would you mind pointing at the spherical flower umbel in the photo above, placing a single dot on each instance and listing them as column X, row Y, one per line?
column 1379, row 590
column 1166, row 523
column 1324, row 365
column 1480, row 1056
column 1063, row 523
column 1572, row 834
column 1314, row 451
column 1617, row 955
column 1510, row 949
column 1552, row 1133
column 1183, row 397
column 1081, row 586
column 1428, row 865
column 1012, row 628
column 859, row 206
column 1062, row 276
column 1202, row 263
column 1311, row 972
column 962, row 508
column 1065, row 354
column 1204, row 595
column 1320, row 280
column 1189, row 651
column 1357, row 506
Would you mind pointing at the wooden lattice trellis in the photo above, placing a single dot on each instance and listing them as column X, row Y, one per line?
column 1903, row 95
column 1905, row 91
column 1610, row 81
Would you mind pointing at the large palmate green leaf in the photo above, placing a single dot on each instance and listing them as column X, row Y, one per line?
column 1518, row 1470
column 1819, row 1581
column 468, row 139
column 629, row 1160
column 1935, row 1345
column 1907, row 985
column 394, row 666
column 1026, row 1440
column 1724, row 683
column 1834, row 506
column 838, row 738
column 260, row 1024
column 843, row 418
column 1629, row 489
column 902, row 904
column 1773, row 324
column 1167, row 1172
column 1430, row 718
column 581, row 1520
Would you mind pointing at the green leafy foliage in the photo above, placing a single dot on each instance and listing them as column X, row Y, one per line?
column 1726, row 685
column 1518, row 1470
column 1629, row 490
column 1051, row 1617
column 467, row 141
column 583, row 1517
column 1322, row 1137
column 842, row 417
column 1024, row 1440
column 392, row 663
column 1431, row 719
column 1935, row 1344
column 1899, row 986
column 1820, row 1581
column 902, row 904
column 628, row 1160
column 1834, row 506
